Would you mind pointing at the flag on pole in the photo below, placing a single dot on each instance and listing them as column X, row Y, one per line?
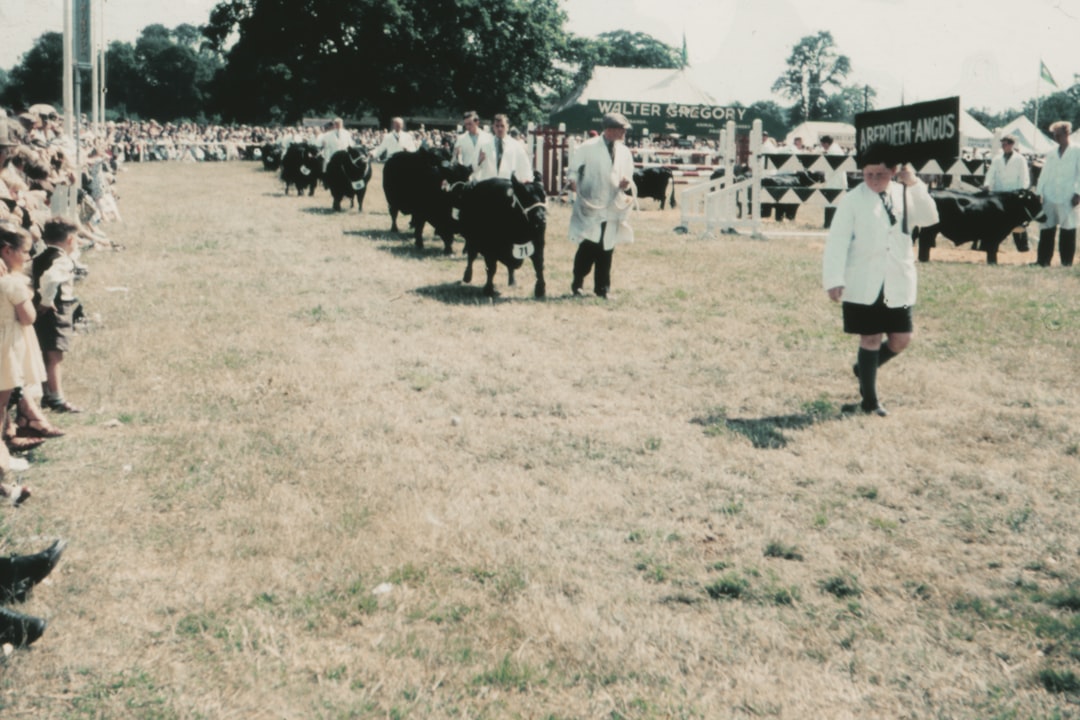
column 1044, row 73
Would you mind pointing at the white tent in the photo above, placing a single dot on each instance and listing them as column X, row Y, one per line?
column 811, row 131
column 1029, row 138
column 973, row 133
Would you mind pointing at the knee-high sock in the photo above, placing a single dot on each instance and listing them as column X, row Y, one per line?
column 868, row 365
column 1067, row 246
column 885, row 354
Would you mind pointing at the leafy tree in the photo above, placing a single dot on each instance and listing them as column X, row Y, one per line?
column 814, row 68
column 1063, row 105
column 174, row 74
column 773, row 117
column 619, row 48
column 400, row 57
column 853, row 99
column 38, row 78
column 991, row 120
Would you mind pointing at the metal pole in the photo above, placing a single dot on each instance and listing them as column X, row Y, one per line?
column 69, row 27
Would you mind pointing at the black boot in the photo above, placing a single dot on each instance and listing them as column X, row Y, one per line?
column 18, row 629
column 20, row 573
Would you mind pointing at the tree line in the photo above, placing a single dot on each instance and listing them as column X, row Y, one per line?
column 276, row 61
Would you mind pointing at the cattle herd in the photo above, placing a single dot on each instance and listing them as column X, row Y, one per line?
column 504, row 221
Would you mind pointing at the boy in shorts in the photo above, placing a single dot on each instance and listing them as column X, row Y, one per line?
column 869, row 263
column 54, row 298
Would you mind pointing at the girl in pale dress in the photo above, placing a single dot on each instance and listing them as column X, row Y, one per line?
column 21, row 364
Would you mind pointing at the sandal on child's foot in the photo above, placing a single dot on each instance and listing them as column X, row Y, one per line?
column 59, row 404
column 38, row 429
column 16, row 443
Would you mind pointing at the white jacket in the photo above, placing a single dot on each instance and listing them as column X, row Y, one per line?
column 865, row 253
column 393, row 143
column 599, row 198
column 515, row 161
column 467, row 152
column 1060, row 176
column 1007, row 175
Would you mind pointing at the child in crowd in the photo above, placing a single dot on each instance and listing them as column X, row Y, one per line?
column 54, row 283
column 20, row 358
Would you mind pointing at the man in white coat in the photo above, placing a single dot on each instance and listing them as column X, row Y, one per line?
column 470, row 145
column 869, row 263
column 504, row 156
column 600, row 171
column 1059, row 188
column 334, row 139
column 1009, row 171
column 394, row 141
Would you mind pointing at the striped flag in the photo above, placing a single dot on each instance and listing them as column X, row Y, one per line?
column 1044, row 73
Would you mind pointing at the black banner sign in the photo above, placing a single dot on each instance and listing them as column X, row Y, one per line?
column 83, row 41
column 921, row 131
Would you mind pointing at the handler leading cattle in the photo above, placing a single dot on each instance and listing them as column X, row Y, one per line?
column 1009, row 171
column 1059, row 187
column 870, row 266
column 600, row 170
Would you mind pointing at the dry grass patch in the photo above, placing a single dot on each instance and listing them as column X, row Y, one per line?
column 345, row 485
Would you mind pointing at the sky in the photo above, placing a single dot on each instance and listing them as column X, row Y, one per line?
column 986, row 51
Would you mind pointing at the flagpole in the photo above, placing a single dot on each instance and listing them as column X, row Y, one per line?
column 1038, row 99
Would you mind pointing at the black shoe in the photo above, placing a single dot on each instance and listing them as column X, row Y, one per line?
column 18, row 629
column 26, row 571
column 852, row 408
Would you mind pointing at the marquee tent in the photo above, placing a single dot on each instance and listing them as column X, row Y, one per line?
column 663, row 101
column 812, row 130
column 973, row 133
column 1029, row 138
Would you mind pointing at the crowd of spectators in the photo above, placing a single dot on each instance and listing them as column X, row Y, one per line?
column 56, row 196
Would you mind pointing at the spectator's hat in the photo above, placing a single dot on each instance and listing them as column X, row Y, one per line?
column 10, row 132
column 615, row 120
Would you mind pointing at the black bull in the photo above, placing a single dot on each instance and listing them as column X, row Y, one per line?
column 347, row 174
column 414, row 182
column 504, row 221
column 983, row 217
column 301, row 166
column 653, row 182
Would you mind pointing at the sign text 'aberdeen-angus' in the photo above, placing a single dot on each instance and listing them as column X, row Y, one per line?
column 921, row 131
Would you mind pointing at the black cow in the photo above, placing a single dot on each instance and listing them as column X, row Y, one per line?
column 347, row 174
column 271, row 156
column 652, row 182
column 797, row 179
column 505, row 221
column 983, row 217
column 422, row 184
column 301, row 166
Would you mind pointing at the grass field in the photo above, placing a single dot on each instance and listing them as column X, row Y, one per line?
column 320, row 478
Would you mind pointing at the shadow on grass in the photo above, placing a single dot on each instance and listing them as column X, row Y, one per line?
column 408, row 249
column 769, row 432
column 458, row 293
column 382, row 235
column 321, row 211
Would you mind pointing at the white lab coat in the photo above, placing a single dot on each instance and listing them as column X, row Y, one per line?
column 599, row 198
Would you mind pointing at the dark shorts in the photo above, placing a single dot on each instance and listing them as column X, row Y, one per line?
column 55, row 329
column 876, row 318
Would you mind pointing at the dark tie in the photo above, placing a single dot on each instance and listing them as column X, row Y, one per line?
column 610, row 149
column 498, row 153
column 887, row 202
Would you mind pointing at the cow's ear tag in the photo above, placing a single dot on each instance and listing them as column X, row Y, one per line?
column 509, row 192
column 445, row 185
